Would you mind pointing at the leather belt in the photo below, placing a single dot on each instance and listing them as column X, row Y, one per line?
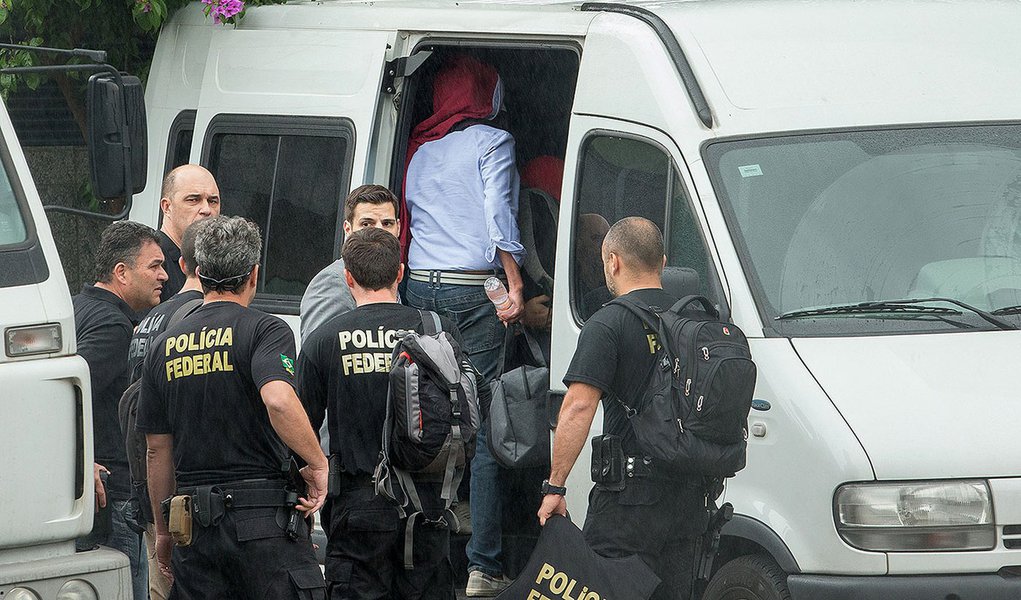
column 454, row 277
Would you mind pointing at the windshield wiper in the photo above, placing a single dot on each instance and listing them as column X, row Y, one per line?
column 906, row 306
column 1008, row 310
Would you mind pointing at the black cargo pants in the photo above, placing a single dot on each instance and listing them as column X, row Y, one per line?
column 365, row 549
column 247, row 555
column 656, row 520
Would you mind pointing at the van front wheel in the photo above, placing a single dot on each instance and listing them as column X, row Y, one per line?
column 752, row 577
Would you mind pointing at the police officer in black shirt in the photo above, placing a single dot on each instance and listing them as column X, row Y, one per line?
column 155, row 322
column 344, row 365
column 129, row 278
column 221, row 417
column 189, row 193
column 657, row 514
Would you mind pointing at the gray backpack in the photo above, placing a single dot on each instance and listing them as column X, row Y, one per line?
column 432, row 418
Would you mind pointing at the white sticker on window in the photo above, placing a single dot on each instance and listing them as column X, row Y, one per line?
column 750, row 170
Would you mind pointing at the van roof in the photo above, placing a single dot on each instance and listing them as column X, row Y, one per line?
column 758, row 61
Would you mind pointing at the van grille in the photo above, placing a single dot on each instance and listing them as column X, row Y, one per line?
column 1012, row 537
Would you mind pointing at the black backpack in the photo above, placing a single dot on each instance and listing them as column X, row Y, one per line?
column 134, row 440
column 432, row 418
column 693, row 415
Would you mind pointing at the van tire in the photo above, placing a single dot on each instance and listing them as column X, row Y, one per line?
column 751, row 577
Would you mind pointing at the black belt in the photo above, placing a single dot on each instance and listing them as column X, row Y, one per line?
column 210, row 502
column 645, row 467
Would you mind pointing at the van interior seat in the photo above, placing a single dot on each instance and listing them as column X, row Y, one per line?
column 681, row 281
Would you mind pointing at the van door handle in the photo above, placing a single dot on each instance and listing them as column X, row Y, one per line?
column 554, row 400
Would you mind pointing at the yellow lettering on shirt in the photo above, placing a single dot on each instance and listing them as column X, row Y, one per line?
column 199, row 353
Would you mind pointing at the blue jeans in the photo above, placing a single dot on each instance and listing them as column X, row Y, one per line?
column 482, row 334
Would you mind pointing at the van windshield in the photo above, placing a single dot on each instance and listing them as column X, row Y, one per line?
column 12, row 223
column 824, row 221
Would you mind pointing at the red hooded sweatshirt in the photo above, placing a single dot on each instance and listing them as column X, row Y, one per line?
column 464, row 88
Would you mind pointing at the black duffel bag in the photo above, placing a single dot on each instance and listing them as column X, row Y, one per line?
column 519, row 433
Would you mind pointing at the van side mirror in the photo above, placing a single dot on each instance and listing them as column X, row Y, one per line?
column 106, row 116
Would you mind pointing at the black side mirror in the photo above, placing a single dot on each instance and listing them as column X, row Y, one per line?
column 106, row 119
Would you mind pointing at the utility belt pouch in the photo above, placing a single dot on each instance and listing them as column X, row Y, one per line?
column 179, row 521
column 333, row 482
column 608, row 463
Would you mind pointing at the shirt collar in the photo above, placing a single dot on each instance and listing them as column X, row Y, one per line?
column 97, row 293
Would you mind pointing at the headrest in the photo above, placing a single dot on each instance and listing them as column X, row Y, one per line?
column 681, row 281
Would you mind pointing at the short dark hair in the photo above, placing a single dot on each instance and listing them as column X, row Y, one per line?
column 188, row 247
column 638, row 241
column 226, row 250
column 121, row 242
column 371, row 194
column 373, row 258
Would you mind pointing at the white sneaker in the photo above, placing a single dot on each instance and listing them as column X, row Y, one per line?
column 481, row 585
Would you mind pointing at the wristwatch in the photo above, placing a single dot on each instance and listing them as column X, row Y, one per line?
column 548, row 488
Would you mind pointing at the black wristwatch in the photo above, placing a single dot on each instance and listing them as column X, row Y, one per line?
column 548, row 488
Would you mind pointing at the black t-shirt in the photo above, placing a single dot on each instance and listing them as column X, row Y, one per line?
column 171, row 264
column 616, row 354
column 152, row 325
column 103, row 324
column 201, row 382
column 344, row 365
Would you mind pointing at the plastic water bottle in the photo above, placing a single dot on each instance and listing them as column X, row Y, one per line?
column 497, row 293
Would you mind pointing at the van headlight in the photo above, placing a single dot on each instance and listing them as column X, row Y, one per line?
column 920, row 516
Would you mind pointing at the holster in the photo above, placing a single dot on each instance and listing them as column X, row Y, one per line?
column 608, row 463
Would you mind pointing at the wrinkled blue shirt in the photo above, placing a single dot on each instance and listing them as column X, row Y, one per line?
column 462, row 195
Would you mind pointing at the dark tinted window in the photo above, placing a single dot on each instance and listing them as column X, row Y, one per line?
column 179, row 144
column 12, row 224
column 623, row 177
column 292, row 186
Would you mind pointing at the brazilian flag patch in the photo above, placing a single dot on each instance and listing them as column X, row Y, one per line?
column 287, row 363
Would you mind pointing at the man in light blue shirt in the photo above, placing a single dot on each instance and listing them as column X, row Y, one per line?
column 461, row 191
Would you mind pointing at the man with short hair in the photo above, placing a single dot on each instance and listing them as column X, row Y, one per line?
column 659, row 513
column 344, row 366
column 129, row 279
column 155, row 323
column 189, row 193
column 221, row 420
column 328, row 294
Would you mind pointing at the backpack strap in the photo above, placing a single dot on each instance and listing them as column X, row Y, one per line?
column 706, row 304
column 181, row 313
column 431, row 324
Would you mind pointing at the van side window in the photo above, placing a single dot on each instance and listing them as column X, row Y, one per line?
column 179, row 140
column 623, row 177
column 291, row 182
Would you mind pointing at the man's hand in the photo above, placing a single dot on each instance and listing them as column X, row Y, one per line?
column 537, row 313
column 164, row 550
column 100, row 489
column 316, row 480
column 552, row 504
column 512, row 313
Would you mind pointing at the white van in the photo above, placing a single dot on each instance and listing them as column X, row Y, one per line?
column 803, row 158
column 47, row 496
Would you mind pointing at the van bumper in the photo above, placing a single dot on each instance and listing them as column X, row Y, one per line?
column 908, row 587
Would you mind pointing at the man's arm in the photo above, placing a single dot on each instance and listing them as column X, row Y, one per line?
column 573, row 425
column 515, row 288
column 288, row 418
column 159, row 462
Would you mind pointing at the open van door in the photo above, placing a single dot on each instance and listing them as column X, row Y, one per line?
column 620, row 163
column 285, row 122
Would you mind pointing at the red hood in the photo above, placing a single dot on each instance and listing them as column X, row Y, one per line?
column 544, row 173
column 465, row 88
